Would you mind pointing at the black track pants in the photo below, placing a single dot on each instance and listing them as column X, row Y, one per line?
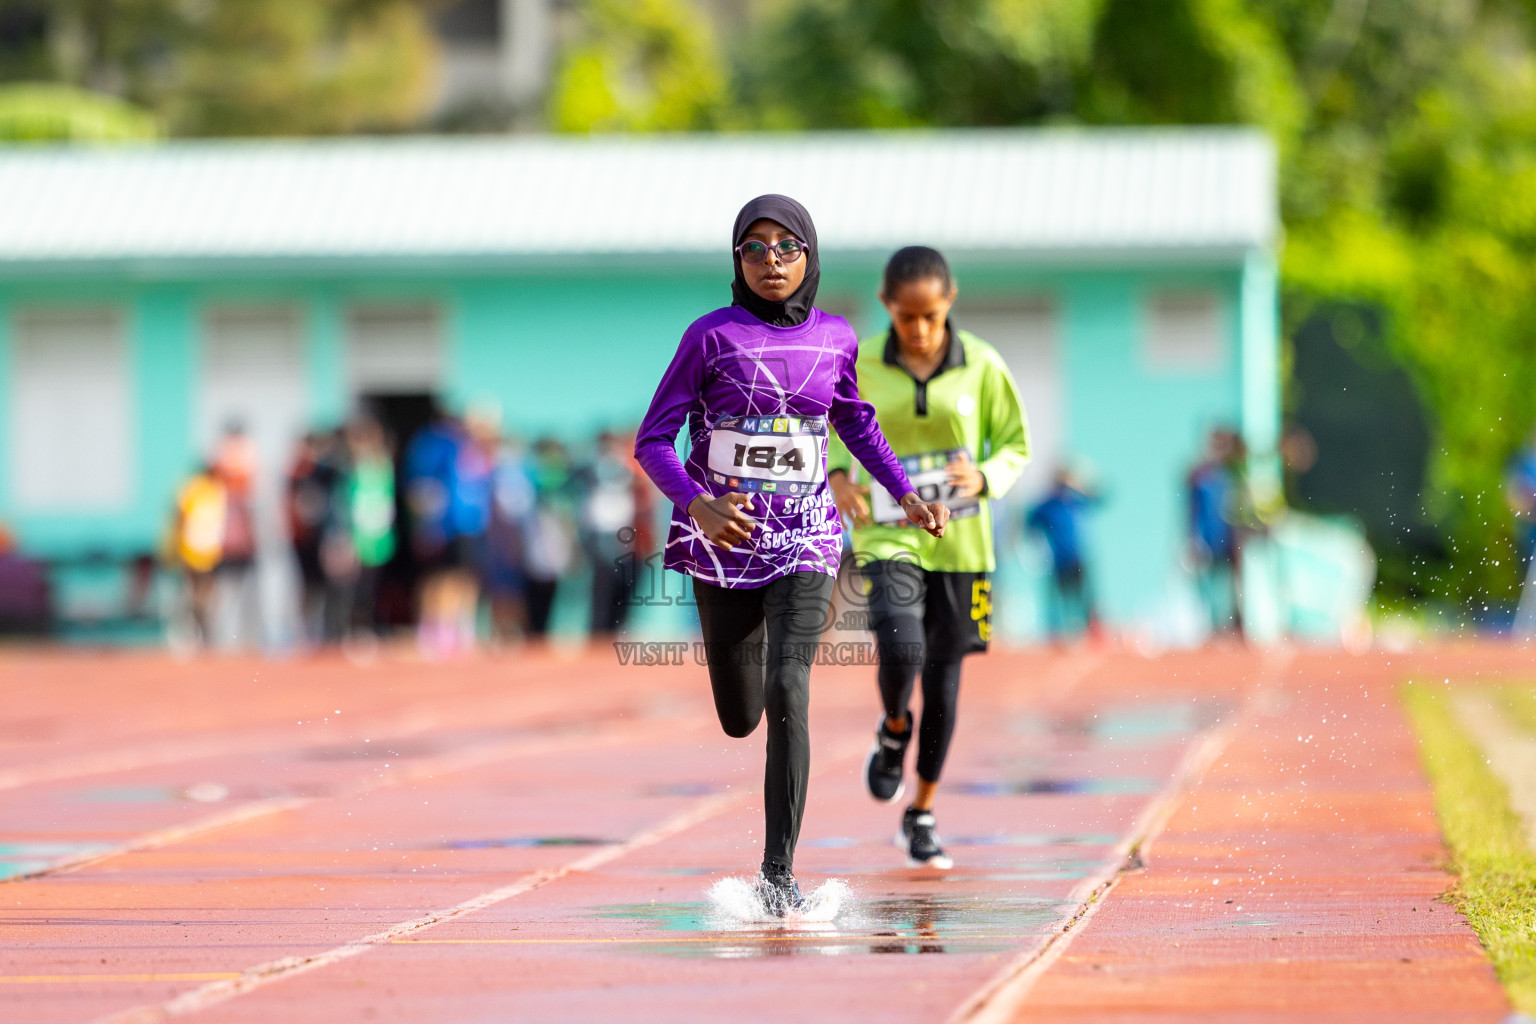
column 926, row 623
column 760, row 644
column 903, row 653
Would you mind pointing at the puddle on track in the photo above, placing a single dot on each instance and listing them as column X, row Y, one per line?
column 1131, row 786
column 995, row 839
column 1128, row 724
column 26, row 858
column 525, row 842
column 905, row 925
column 683, row 789
column 131, row 794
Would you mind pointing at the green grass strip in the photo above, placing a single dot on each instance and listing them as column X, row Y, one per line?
column 1495, row 868
column 1519, row 705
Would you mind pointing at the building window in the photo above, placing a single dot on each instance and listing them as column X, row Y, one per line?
column 71, row 411
column 253, row 377
column 1184, row 331
column 1025, row 330
column 394, row 348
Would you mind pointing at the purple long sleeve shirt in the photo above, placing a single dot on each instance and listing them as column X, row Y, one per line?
column 757, row 399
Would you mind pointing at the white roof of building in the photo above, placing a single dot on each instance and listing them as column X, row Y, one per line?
column 1049, row 191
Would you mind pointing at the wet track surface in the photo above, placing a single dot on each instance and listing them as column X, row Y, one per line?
column 534, row 838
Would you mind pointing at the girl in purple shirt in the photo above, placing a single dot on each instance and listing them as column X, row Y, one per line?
column 753, row 521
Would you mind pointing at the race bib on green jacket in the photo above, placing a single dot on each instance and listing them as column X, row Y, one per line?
column 930, row 479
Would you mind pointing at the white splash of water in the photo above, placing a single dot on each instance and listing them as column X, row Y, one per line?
column 734, row 902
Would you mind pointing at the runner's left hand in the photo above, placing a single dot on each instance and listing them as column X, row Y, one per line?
column 964, row 477
column 852, row 499
column 930, row 515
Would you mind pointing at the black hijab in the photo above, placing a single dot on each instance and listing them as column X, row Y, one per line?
column 795, row 218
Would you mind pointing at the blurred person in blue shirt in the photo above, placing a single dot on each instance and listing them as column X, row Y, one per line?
column 442, row 486
column 1058, row 518
column 1219, row 511
column 1520, row 492
column 503, row 573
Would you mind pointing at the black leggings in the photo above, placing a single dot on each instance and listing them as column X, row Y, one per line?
column 760, row 644
column 922, row 623
column 903, row 637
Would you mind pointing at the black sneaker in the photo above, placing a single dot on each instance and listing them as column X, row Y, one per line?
column 883, row 766
column 778, row 891
column 923, row 849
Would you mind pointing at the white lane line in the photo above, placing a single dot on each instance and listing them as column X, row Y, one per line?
column 421, row 770
column 999, row 999
column 167, row 836
column 382, row 727
column 215, row 992
column 126, row 759
column 252, row 978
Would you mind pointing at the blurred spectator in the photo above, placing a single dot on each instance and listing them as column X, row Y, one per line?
column 1221, row 515
column 470, row 504
column 313, row 479
column 1520, row 492
column 503, row 575
column 26, row 596
column 430, row 460
column 610, row 518
column 1298, row 451
column 448, row 469
column 202, row 507
column 1058, row 519
column 369, row 501
column 643, row 546
column 549, row 533
column 235, row 463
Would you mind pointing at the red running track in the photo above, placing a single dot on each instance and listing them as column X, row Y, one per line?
column 532, row 837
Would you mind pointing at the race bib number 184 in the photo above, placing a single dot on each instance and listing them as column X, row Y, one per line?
column 770, row 454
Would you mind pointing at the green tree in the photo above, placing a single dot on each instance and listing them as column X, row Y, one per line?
column 886, row 63
column 1408, row 141
column 1414, row 188
column 237, row 67
column 1189, row 62
column 61, row 113
column 639, row 65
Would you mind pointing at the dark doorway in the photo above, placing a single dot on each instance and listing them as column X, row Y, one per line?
column 1372, row 436
column 402, row 415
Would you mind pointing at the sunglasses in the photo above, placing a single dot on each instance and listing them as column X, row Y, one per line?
column 754, row 252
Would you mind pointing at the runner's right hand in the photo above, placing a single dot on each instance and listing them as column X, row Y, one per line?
column 852, row 499
column 721, row 519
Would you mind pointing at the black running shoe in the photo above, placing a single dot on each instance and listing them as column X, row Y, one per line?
column 778, row 891
column 923, row 849
column 883, row 766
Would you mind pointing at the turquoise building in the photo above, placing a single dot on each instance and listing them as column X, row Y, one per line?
column 150, row 295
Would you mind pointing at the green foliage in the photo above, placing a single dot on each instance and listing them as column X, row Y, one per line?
column 1408, row 141
column 241, row 67
column 276, row 67
column 639, row 65
column 42, row 112
column 1190, row 62
column 887, row 63
column 1407, row 132
column 1495, row 868
column 1433, row 217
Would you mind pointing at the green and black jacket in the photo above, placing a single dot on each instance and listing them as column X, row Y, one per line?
column 970, row 402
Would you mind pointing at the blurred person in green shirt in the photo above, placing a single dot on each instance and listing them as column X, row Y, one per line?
column 368, row 496
column 951, row 412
